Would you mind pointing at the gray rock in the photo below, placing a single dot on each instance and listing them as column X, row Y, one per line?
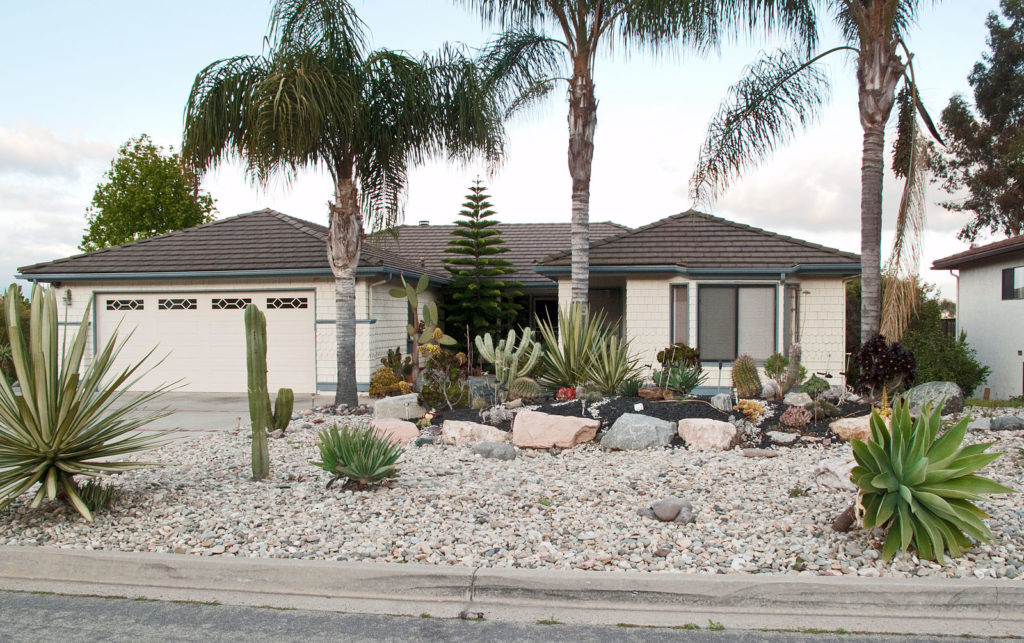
column 722, row 402
column 496, row 450
column 647, row 512
column 980, row 424
column 685, row 515
column 1008, row 423
column 931, row 393
column 481, row 386
column 402, row 407
column 666, row 510
column 633, row 431
column 834, row 393
column 797, row 399
column 307, row 425
column 760, row 453
column 277, row 434
column 771, row 390
column 778, row 437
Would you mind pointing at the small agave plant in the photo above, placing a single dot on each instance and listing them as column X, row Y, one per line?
column 920, row 487
column 358, row 454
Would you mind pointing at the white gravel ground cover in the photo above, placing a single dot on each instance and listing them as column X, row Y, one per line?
column 573, row 510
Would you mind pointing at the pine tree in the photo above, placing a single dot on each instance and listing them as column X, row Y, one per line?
column 479, row 299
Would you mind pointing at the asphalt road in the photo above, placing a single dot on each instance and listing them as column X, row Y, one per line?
column 53, row 617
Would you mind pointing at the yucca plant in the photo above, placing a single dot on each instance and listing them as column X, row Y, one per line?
column 612, row 365
column 920, row 488
column 67, row 421
column 570, row 349
column 358, row 454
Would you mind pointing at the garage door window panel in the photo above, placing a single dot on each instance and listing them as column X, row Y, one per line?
column 287, row 303
column 177, row 304
column 230, row 303
column 125, row 304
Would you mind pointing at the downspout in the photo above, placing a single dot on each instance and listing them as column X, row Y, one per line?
column 957, row 277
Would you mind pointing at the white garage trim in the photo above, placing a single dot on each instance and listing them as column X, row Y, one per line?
column 301, row 383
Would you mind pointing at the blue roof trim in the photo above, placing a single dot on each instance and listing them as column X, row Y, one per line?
column 711, row 273
column 221, row 274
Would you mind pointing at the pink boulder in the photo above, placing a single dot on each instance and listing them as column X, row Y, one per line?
column 702, row 434
column 535, row 430
column 853, row 428
column 396, row 430
column 470, row 433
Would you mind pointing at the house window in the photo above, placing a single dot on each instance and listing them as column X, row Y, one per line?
column 735, row 320
column 609, row 302
column 680, row 315
column 1013, row 283
column 124, row 304
column 176, row 304
column 284, row 303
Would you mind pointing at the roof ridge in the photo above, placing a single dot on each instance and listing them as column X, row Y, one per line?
column 300, row 224
column 744, row 226
column 615, row 237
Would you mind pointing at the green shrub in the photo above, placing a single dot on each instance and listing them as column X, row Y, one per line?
column 566, row 363
column 384, row 383
column 358, row 454
column 939, row 357
column 612, row 365
column 98, row 496
column 920, row 486
column 815, row 386
column 68, row 421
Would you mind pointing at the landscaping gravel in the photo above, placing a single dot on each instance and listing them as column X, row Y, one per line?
column 575, row 509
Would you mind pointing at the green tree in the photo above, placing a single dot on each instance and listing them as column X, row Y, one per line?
column 317, row 98
column 984, row 157
column 784, row 92
column 479, row 299
column 144, row 193
column 544, row 38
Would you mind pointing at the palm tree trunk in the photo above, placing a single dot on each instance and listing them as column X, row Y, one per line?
column 582, row 123
column 344, row 239
column 872, row 171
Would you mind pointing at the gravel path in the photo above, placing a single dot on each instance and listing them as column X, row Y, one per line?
column 573, row 510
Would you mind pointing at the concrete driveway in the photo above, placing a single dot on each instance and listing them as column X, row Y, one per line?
column 213, row 411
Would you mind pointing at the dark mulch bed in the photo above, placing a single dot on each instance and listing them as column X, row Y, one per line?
column 672, row 411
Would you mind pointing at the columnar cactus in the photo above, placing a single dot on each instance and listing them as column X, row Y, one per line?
column 792, row 370
column 259, row 399
column 745, row 378
column 510, row 361
column 283, row 408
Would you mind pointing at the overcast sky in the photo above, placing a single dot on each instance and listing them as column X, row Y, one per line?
column 81, row 78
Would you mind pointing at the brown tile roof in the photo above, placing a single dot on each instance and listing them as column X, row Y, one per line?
column 526, row 242
column 697, row 240
column 264, row 240
column 1011, row 246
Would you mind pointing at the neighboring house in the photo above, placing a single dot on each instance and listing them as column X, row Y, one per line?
column 990, row 309
column 723, row 287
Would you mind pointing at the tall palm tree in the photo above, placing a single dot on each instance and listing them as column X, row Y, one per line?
column 558, row 40
column 784, row 92
column 317, row 98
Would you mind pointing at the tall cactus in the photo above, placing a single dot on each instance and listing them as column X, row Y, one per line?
column 259, row 399
column 283, row 406
column 792, row 369
column 745, row 378
column 510, row 361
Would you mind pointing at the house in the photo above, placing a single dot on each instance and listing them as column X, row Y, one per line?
column 723, row 287
column 990, row 309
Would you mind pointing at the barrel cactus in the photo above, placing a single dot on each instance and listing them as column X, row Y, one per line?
column 745, row 378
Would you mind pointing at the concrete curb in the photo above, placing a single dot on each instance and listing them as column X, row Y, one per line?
column 912, row 606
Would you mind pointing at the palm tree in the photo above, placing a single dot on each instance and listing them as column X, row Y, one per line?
column 581, row 28
column 317, row 98
column 784, row 92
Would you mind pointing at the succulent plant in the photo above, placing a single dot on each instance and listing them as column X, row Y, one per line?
column 745, row 378
column 359, row 454
column 920, row 486
column 511, row 361
column 524, row 388
column 424, row 328
column 796, row 417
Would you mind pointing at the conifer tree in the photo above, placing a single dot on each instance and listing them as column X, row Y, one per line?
column 480, row 299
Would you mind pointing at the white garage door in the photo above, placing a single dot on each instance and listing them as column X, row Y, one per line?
column 201, row 337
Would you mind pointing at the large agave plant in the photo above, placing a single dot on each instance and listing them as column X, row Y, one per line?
column 67, row 421
column 570, row 349
column 358, row 454
column 920, row 488
column 612, row 365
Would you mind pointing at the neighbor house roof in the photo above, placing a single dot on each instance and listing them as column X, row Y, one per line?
column 697, row 242
column 526, row 242
column 262, row 242
column 1012, row 246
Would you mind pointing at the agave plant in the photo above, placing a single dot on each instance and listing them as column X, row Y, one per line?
column 612, row 365
column 67, row 421
column 358, row 454
column 920, row 488
column 570, row 349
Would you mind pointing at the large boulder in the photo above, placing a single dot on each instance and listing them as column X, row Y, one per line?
column 536, row 430
column 797, row 399
column 633, row 431
column 403, row 407
column 851, row 428
column 931, row 393
column 722, row 402
column 470, row 433
column 702, row 434
column 1007, row 423
column 396, row 430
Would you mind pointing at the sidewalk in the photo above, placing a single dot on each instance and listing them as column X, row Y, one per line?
column 905, row 606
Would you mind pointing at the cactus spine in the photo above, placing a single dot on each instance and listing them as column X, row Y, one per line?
column 259, row 399
column 792, row 370
column 745, row 378
column 510, row 361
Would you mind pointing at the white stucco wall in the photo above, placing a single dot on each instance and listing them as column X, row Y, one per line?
column 648, row 320
column 994, row 327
